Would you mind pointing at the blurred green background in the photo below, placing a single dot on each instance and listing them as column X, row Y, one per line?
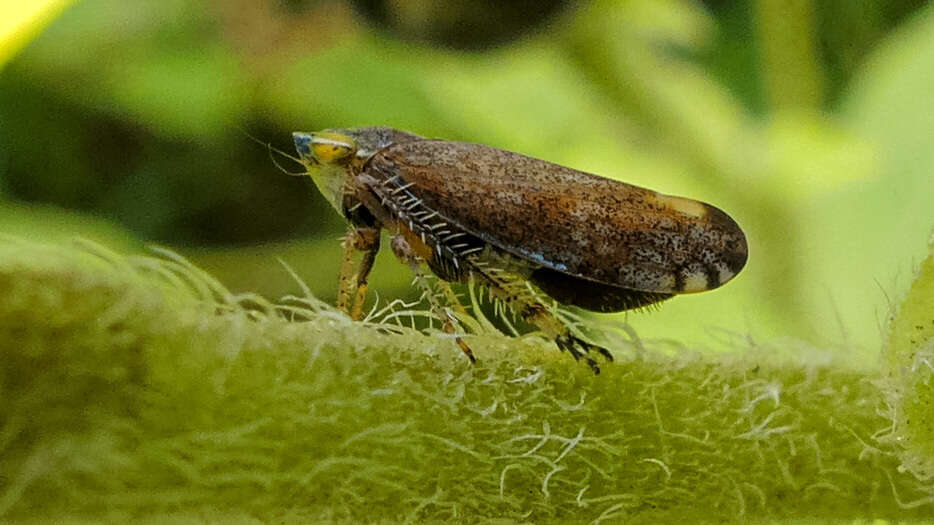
column 808, row 122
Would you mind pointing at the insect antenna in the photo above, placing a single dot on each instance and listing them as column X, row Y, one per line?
column 283, row 170
column 271, row 149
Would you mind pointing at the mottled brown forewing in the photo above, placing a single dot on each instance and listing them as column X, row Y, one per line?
column 570, row 221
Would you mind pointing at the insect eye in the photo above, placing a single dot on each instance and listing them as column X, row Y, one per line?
column 331, row 147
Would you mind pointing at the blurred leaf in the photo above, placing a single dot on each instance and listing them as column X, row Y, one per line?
column 155, row 64
column 20, row 22
column 865, row 239
column 791, row 71
column 193, row 93
column 679, row 106
column 359, row 82
column 808, row 155
column 497, row 99
column 887, row 102
column 43, row 223
column 44, row 143
column 849, row 31
column 467, row 24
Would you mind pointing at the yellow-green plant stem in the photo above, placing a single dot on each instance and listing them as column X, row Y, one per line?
column 137, row 389
column 909, row 358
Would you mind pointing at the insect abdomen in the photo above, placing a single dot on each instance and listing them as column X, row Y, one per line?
column 590, row 295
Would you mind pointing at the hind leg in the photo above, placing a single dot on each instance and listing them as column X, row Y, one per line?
column 512, row 290
column 449, row 323
column 579, row 349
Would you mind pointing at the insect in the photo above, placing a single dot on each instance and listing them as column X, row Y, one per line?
column 502, row 219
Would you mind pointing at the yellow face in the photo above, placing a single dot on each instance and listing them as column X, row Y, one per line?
column 331, row 157
column 327, row 156
column 324, row 147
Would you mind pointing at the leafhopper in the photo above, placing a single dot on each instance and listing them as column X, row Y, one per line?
column 504, row 220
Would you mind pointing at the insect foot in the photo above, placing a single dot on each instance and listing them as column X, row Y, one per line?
column 578, row 348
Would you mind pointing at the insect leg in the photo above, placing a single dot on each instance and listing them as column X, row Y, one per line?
column 345, row 281
column 357, row 239
column 449, row 322
column 451, row 297
column 513, row 291
column 369, row 243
